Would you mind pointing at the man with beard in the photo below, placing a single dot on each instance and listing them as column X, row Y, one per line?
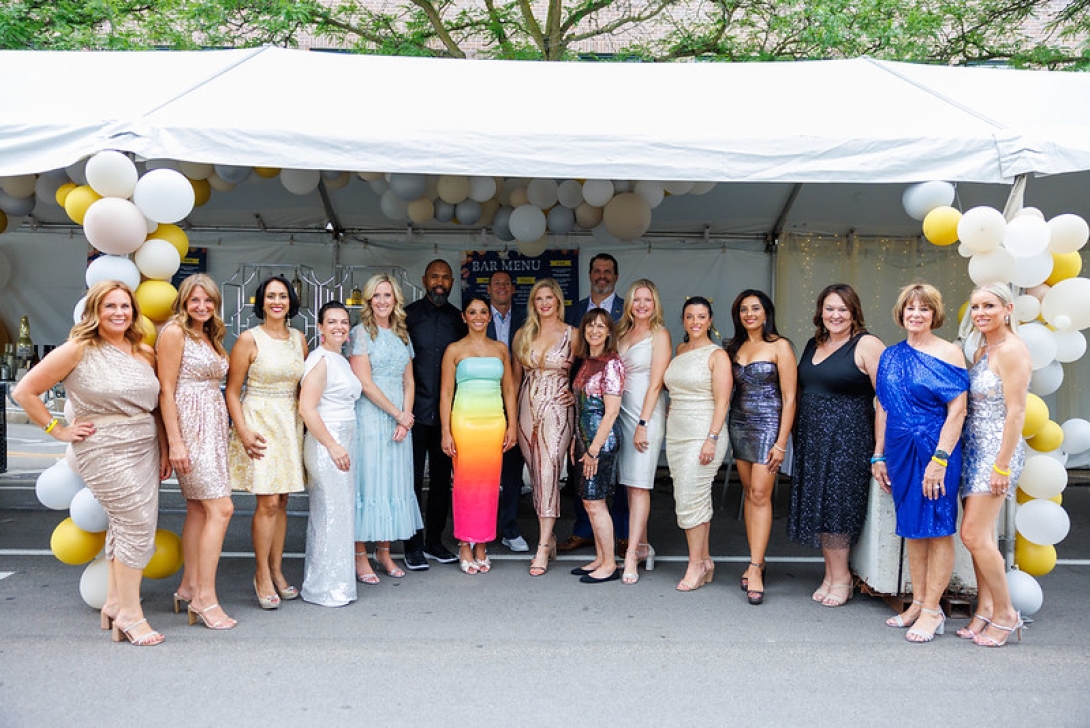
column 433, row 324
column 603, row 281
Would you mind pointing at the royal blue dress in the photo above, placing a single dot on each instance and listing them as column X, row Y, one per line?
column 914, row 389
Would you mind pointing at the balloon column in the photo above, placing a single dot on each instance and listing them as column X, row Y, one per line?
column 1042, row 259
column 79, row 538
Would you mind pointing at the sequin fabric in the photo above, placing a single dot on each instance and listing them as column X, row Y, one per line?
column 982, row 434
column 595, row 379
column 755, row 408
column 329, row 571
column 202, row 420
column 544, row 424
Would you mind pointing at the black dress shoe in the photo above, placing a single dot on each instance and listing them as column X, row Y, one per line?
column 588, row 579
column 573, row 543
column 439, row 552
column 415, row 561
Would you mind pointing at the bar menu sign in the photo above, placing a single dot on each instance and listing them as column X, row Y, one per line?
column 563, row 265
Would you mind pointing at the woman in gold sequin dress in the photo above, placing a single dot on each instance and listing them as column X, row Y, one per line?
column 192, row 363
column 543, row 358
column 265, row 452
column 109, row 375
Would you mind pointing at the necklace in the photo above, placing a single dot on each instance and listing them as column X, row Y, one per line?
column 989, row 347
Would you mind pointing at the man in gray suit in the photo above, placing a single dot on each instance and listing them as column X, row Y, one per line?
column 603, row 281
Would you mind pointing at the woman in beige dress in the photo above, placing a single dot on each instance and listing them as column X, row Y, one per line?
column 265, row 452
column 699, row 380
column 192, row 363
column 109, row 376
column 543, row 358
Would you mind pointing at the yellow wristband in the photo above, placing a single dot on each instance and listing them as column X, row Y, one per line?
column 52, row 423
column 940, row 461
column 995, row 467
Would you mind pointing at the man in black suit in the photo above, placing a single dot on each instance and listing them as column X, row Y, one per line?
column 433, row 325
column 603, row 281
column 506, row 320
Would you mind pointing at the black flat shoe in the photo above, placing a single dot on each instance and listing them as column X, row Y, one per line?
column 588, row 579
column 580, row 571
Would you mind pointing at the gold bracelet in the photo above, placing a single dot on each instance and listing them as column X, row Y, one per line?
column 995, row 467
column 52, row 424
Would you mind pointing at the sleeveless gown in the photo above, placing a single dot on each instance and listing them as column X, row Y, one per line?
column 545, row 425
column 983, row 433
column 637, row 469
column 478, row 424
column 203, row 420
column 595, row 379
column 386, row 505
column 270, row 406
column 755, row 408
column 834, row 440
column 120, row 462
column 687, row 426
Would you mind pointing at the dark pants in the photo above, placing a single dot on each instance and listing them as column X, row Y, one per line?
column 428, row 440
column 618, row 509
column 510, row 491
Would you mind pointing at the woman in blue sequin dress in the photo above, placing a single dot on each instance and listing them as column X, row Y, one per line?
column 762, row 411
column 994, row 452
column 921, row 390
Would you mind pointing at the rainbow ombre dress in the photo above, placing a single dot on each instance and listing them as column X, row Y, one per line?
column 478, row 424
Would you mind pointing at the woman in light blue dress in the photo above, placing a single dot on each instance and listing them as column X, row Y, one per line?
column 381, row 356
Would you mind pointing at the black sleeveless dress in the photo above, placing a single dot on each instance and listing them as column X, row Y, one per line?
column 834, row 441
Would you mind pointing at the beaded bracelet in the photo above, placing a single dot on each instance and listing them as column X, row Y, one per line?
column 1004, row 473
column 781, row 449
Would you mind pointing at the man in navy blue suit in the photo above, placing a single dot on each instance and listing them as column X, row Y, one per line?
column 603, row 281
column 506, row 320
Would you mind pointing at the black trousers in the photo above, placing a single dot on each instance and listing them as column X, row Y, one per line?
column 428, row 441
column 510, row 491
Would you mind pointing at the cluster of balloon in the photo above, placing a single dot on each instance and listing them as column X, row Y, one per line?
column 79, row 539
column 1041, row 259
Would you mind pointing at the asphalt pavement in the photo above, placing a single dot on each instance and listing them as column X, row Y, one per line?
column 505, row 649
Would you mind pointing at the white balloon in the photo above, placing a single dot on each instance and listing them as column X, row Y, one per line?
column 920, row 199
column 113, row 268
column 468, row 212
column 87, row 512
column 19, row 186
column 116, row 226
column 157, row 259
column 527, row 224
column 678, row 188
column 1076, row 441
column 1041, row 343
column 1026, row 237
column 1029, row 272
column 57, row 485
column 1043, row 477
column 482, row 189
column 981, row 229
column 164, row 195
column 1069, row 233
column 542, row 193
column 1043, row 522
column 111, row 174
column 368, row 176
column 560, row 220
column 300, row 181
column 597, row 192
column 1033, row 211
column 393, row 206
column 570, row 193
column 702, row 188
column 94, row 583
column 1070, row 346
column 994, row 266
column 1047, row 380
column 653, row 192
column 1026, row 308
column 408, row 187
column 965, row 251
column 77, row 312
column 232, row 174
column 1071, row 298
column 1026, row 594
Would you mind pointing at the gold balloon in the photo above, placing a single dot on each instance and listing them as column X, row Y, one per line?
column 941, row 225
column 202, row 191
column 173, row 235
column 62, row 192
column 1022, row 496
column 1034, row 559
column 155, row 299
column 1048, row 438
column 72, row 545
column 78, row 200
column 1036, row 415
column 167, row 558
column 1064, row 266
column 962, row 310
column 267, row 172
column 150, row 332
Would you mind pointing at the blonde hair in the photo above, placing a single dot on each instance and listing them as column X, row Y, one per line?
column 928, row 295
column 86, row 331
column 967, row 330
column 397, row 316
column 628, row 320
column 532, row 327
column 213, row 327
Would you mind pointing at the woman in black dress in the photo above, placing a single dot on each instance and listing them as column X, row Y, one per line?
column 834, row 437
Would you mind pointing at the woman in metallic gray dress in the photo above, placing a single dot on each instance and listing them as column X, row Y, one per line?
column 994, row 453
column 762, row 412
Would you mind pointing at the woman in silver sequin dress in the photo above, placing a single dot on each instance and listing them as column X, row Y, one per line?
column 327, row 404
column 994, row 452
column 192, row 363
column 109, row 375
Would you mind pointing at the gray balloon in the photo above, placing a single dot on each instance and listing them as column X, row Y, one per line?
column 501, row 226
column 560, row 220
column 468, row 212
column 16, row 206
column 233, row 174
column 444, row 211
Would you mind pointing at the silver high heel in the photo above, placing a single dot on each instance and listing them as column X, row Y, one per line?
column 924, row 636
column 983, row 640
